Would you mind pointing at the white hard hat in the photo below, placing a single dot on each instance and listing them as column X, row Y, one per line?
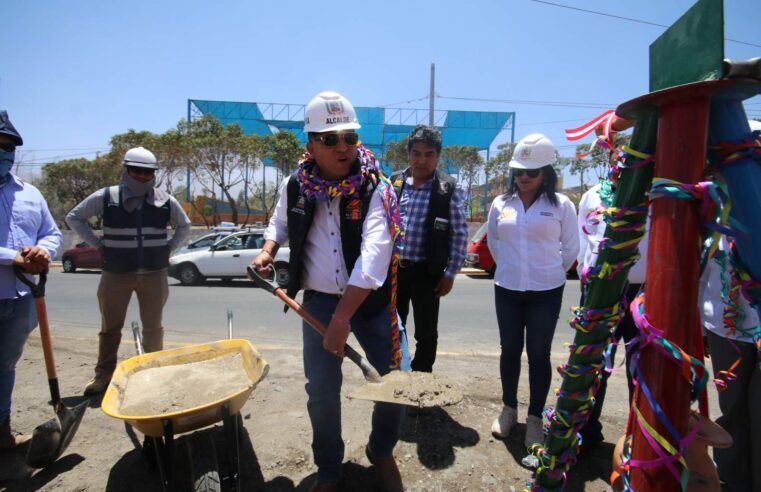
column 330, row 112
column 140, row 157
column 533, row 152
column 754, row 125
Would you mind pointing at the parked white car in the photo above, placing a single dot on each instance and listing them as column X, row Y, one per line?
column 226, row 259
column 203, row 242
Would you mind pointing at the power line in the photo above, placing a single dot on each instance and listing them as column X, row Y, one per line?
column 50, row 160
column 567, row 104
column 551, row 122
column 63, row 150
column 630, row 19
column 404, row 102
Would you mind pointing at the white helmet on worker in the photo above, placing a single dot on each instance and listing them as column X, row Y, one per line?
column 330, row 112
column 140, row 157
column 754, row 125
column 533, row 152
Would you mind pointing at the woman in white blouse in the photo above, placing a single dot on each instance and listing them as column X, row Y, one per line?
column 533, row 238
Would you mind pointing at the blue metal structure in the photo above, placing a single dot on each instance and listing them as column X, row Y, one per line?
column 379, row 125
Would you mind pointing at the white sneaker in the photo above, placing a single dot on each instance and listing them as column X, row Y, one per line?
column 504, row 423
column 534, row 431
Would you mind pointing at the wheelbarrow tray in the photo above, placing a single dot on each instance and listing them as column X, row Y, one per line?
column 194, row 418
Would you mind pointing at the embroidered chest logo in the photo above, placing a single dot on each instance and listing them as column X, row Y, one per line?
column 299, row 207
column 508, row 214
column 546, row 214
column 353, row 209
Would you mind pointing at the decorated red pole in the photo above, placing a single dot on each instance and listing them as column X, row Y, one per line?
column 672, row 279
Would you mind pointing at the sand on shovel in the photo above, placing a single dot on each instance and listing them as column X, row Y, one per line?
column 175, row 388
column 420, row 389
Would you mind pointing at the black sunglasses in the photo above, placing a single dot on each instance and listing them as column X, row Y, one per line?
column 332, row 139
column 8, row 147
column 141, row 170
column 531, row 173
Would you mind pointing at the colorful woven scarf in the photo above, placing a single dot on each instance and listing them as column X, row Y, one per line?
column 316, row 188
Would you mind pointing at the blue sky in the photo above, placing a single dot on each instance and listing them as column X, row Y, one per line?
column 76, row 73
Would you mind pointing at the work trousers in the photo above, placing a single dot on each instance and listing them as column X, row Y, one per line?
column 535, row 314
column 626, row 330
column 739, row 466
column 18, row 317
column 114, row 294
column 416, row 284
column 324, row 378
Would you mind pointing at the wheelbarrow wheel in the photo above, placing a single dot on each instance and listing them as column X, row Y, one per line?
column 204, row 469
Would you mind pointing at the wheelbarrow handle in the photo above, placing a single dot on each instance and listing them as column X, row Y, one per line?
column 38, row 289
column 371, row 374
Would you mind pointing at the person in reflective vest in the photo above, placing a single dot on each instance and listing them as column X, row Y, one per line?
column 135, row 247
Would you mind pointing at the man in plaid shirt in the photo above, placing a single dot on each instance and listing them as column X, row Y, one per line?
column 432, row 208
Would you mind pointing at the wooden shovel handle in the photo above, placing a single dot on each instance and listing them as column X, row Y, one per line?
column 47, row 345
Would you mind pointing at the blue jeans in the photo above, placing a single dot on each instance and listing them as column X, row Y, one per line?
column 323, row 372
column 534, row 313
column 18, row 317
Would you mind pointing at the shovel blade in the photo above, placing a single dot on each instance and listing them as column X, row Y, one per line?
column 418, row 389
column 50, row 440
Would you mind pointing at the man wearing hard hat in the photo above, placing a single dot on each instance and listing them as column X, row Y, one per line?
column 29, row 238
column 335, row 216
column 135, row 247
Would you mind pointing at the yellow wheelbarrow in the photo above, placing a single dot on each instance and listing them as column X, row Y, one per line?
column 161, row 422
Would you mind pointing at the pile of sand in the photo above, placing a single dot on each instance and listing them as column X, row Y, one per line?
column 169, row 389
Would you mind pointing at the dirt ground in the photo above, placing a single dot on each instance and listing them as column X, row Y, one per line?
column 441, row 449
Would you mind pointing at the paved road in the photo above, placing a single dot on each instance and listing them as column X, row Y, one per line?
column 467, row 322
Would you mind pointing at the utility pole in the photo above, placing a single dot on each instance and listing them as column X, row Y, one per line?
column 432, row 95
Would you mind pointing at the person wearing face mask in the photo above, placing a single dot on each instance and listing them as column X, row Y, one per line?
column 29, row 238
column 135, row 246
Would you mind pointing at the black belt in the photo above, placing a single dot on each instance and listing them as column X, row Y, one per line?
column 409, row 264
column 309, row 293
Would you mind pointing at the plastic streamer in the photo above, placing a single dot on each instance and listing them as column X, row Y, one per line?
column 602, row 320
column 730, row 152
column 691, row 370
column 566, row 424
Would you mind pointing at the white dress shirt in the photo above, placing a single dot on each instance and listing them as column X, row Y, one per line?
column 712, row 305
column 324, row 265
column 589, row 244
column 532, row 248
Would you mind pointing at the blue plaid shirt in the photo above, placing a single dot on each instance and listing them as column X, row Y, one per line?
column 413, row 208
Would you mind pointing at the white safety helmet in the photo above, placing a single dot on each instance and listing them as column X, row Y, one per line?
column 330, row 112
column 754, row 125
column 140, row 157
column 533, row 152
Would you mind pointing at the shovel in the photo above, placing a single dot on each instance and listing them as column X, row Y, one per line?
column 50, row 439
column 371, row 374
column 419, row 389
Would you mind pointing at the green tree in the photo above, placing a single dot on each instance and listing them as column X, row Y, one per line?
column 396, row 155
column 285, row 150
column 70, row 181
column 468, row 163
column 220, row 157
column 498, row 166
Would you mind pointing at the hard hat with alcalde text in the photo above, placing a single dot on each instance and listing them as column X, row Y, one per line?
column 533, row 152
column 330, row 112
